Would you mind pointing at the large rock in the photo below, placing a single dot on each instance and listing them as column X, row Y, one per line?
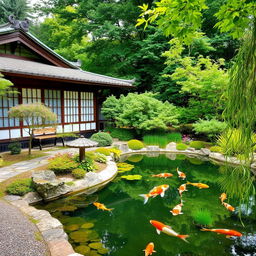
column 205, row 151
column 47, row 186
column 171, row 146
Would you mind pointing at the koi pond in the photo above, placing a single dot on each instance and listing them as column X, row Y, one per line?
column 126, row 230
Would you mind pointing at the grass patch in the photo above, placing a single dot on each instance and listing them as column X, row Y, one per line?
column 33, row 220
column 9, row 159
column 70, row 183
column 38, row 236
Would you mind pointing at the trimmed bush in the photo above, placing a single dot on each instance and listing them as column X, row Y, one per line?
column 181, row 146
column 101, row 158
column 62, row 163
column 215, row 149
column 174, row 137
column 87, row 165
column 122, row 134
column 15, row 148
column 135, row 144
column 197, row 144
column 104, row 151
column 103, row 138
column 20, row 187
column 78, row 173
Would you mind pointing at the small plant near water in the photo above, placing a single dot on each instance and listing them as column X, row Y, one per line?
column 78, row 173
column 215, row 149
column 135, row 144
column 121, row 133
column 103, row 138
column 197, row 144
column 181, row 146
column 104, row 151
column 202, row 217
column 101, row 158
column 20, row 187
column 124, row 167
column 62, row 163
column 15, row 148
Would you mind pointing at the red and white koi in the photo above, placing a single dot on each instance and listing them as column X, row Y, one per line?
column 149, row 249
column 227, row 232
column 182, row 175
column 162, row 175
column 161, row 227
column 182, row 188
column 229, row 207
column 177, row 209
column 159, row 190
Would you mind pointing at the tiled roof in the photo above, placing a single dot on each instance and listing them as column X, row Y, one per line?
column 31, row 68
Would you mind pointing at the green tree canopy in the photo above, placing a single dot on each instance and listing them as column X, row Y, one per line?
column 140, row 111
column 4, row 85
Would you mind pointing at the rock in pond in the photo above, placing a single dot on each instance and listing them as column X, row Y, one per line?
column 48, row 186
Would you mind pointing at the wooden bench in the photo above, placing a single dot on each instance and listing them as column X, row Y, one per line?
column 45, row 133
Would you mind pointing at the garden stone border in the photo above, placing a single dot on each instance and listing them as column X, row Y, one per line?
column 51, row 228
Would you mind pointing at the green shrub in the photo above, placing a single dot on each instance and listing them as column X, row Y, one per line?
column 135, row 144
column 181, row 146
column 87, row 165
column 103, row 138
column 104, row 151
column 231, row 143
column 203, row 217
column 186, row 128
column 78, row 173
column 122, row 133
column 15, row 148
column 61, row 163
column 197, row 144
column 101, row 158
column 174, row 137
column 20, row 187
column 215, row 149
column 210, row 128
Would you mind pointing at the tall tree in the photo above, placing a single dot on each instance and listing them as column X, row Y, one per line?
column 19, row 8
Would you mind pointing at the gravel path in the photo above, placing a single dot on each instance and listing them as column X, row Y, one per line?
column 18, row 235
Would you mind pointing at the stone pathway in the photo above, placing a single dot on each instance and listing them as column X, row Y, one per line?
column 18, row 235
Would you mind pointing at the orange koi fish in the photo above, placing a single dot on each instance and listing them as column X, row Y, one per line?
column 102, row 207
column 229, row 207
column 160, row 227
column 177, row 209
column 227, row 232
column 223, row 197
column 199, row 185
column 182, row 188
column 182, row 175
column 162, row 175
column 159, row 190
column 149, row 249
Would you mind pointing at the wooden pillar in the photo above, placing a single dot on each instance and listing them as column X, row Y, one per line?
column 81, row 154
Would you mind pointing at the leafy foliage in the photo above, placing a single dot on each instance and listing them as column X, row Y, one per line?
column 103, row 138
column 215, row 149
column 140, row 111
column 20, row 187
column 101, row 158
column 121, row 133
column 15, row 148
column 135, row 144
column 33, row 115
column 132, row 177
column 124, row 167
column 203, row 217
column 181, row 146
column 196, row 144
column 62, row 163
column 4, row 86
column 211, row 128
column 78, row 173
column 104, row 151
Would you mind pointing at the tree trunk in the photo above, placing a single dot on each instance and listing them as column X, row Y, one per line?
column 30, row 144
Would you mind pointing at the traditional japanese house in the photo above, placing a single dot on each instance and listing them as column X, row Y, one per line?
column 41, row 75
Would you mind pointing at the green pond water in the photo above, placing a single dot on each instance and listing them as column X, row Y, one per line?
column 126, row 230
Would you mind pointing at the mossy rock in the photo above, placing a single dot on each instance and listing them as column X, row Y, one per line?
column 67, row 208
column 82, row 249
column 72, row 227
column 96, row 246
column 79, row 236
column 103, row 251
column 87, row 225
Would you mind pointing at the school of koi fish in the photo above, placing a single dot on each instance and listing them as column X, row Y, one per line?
column 177, row 210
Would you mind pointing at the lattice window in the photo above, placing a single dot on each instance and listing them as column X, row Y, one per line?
column 87, row 107
column 71, row 114
column 52, row 99
column 31, row 95
column 6, row 102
